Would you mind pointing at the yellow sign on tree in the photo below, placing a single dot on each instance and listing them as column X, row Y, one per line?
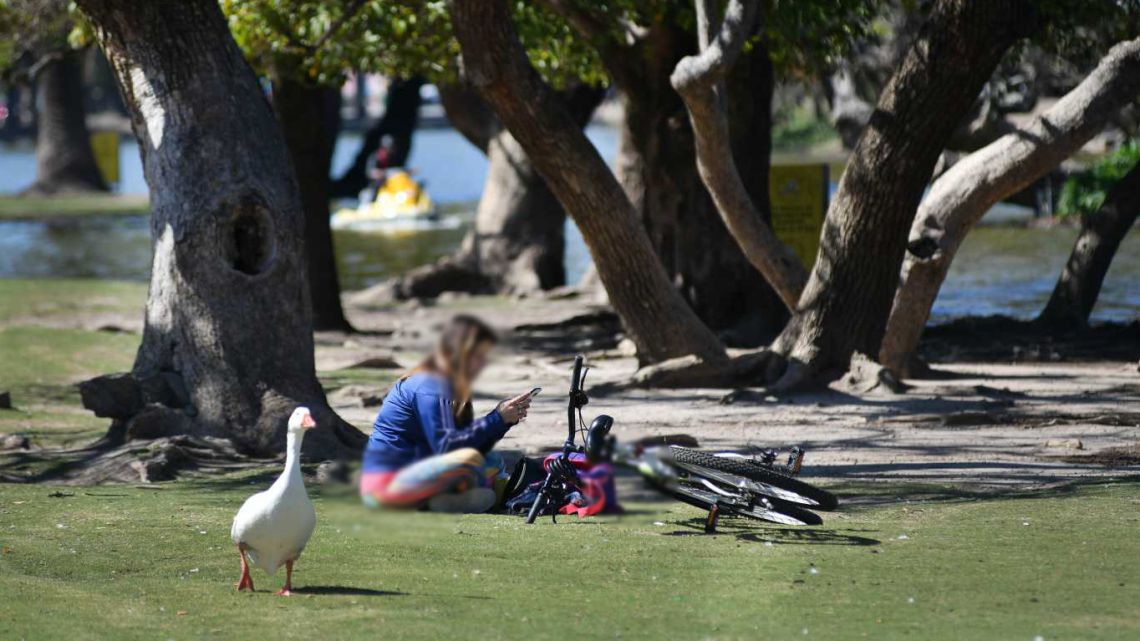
column 799, row 195
column 105, row 144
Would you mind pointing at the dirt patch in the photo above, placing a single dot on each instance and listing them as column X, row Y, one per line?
column 981, row 424
column 1124, row 456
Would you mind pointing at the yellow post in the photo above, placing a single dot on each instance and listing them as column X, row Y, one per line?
column 799, row 195
column 105, row 144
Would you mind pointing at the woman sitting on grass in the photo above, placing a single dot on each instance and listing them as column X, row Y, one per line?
column 426, row 448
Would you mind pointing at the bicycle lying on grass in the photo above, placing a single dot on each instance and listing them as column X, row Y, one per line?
column 722, row 483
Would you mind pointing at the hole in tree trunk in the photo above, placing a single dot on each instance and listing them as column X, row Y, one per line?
column 250, row 246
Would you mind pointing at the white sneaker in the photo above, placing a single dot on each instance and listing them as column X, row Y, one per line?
column 473, row 501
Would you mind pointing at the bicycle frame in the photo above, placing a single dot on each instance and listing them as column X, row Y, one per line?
column 561, row 469
column 709, row 489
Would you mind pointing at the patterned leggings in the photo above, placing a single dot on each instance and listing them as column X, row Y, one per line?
column 412, row 486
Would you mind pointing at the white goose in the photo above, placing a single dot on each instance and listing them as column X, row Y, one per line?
column 272, row 527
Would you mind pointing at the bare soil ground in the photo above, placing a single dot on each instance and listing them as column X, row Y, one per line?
column 1064, row 413
column 989, row 424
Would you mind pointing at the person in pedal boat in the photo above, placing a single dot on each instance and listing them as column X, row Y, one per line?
column 378, row 175
column 426, row 448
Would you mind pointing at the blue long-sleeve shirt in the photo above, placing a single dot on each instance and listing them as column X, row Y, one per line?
column 417, row 421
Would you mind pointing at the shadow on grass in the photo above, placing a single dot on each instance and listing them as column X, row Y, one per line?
column 813, row 536
column 856, row 495
column 343, row 590
column 754, row 532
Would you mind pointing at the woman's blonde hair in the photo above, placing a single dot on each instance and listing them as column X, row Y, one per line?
column 459, row 339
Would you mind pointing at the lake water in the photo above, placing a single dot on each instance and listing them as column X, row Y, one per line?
column 999, row 270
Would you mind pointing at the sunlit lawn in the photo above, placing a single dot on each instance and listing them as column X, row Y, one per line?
column 66, row 206
column 39, row 368
column 40, row 363
column 29, row 300
column 156, row 563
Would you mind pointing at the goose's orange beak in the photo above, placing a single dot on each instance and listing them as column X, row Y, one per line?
column 308, row 422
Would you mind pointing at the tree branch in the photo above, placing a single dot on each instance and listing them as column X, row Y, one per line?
column 962, row 195
column 700, row 81
column 1079, row 284
column 468, row 113
column 634, row 277
column 615, row 55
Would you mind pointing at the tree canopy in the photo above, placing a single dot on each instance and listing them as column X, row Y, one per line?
column 323, row 41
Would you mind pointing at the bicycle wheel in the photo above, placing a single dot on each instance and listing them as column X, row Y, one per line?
column 783, row 514
column 755, row 478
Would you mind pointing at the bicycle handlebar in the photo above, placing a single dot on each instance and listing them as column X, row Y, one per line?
column 575, row 393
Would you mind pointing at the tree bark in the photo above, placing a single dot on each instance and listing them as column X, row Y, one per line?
column 517, row 243
column 845, row 304
column 1079, row 285
column 656, row 169
column 310, row 120
column 227, row 348
column 518, row 239
column 700, row 81
column 961, row 196
column 65, row 162
column 658, row 320
column 401, row 115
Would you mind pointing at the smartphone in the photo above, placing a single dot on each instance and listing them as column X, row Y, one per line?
column 534, row 392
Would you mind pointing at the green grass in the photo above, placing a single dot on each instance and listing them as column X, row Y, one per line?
column 50, row 356
column 46, row 298
column 40, row 366
column 65, row 206
column 799, row 128
column 145, row 563
column 370, row 376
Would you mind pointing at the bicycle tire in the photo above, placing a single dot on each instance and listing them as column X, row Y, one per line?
column 786, row 488
column 781, row 513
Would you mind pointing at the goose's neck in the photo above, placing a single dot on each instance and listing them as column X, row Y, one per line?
column 292, row 456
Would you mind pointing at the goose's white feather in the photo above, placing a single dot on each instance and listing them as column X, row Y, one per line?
column 275, row 525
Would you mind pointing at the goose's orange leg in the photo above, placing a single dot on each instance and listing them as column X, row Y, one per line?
column 286, row 590
column 246, row 580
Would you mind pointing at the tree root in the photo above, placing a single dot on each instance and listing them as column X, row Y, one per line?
column 142, row 461
column 157, row 407
column 747, row 369
column 775, row 373
column 448, row 274
column 591, row 331
column 865, row 376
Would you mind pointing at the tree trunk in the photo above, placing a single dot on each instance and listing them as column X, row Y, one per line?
column 517, row 243
column 401, row 115
column 700, row 81
column 1077, row 289
column 656, row 169
column 310, row 120
column 845, row 304
column 961, row 196
column 658, row 320
column 227, row 348
column 518, row 239
column 64, row 160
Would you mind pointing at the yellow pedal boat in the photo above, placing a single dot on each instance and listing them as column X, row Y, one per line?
column 400, row 199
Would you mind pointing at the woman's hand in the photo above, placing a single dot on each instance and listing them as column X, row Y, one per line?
column 514, row 409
